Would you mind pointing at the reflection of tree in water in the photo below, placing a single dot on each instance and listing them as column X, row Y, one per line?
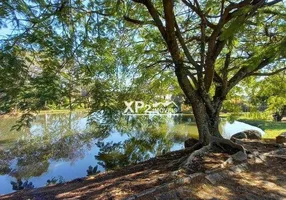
column 147, row 137
column 62, row 138
column 33, row 157
column 116, row 155
column 54, row 181
column 59, row 125
column 4, row 165
column 20, row 185
column 92, row 170
column 31, row 154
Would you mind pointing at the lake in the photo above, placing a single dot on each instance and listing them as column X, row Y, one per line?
column 62, row 147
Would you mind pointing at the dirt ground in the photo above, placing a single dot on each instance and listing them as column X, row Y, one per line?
column 160, row 178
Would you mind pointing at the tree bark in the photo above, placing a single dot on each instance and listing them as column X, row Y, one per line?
column 207, row 119
column 205, row 110
column 202, row 121
column 207, row 122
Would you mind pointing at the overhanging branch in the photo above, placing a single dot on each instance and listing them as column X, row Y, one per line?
column 159, row 62
column 154, row 13
column 245, row 71
column 199, row 12
column 138, row 22
column 184, row 46
column 268, row 74
column 272, row 2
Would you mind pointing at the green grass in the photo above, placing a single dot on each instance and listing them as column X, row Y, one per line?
column 41, row 112
column 62, row 111
column 271, row 128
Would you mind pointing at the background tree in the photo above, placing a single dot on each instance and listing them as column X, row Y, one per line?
column 47, row 89
column 270, row 93
column 13, row 76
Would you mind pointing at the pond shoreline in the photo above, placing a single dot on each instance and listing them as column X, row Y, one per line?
column 158, row 176
column 42, row 112
column 61, row 147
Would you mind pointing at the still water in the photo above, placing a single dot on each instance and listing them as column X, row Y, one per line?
column 61, row 147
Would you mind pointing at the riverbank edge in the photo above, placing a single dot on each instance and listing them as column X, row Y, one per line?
column 175, row 178
column 42, row 112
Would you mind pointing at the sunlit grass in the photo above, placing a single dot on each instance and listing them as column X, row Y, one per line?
column 17, row 115
column 273, row 133
column 62, row 111
column 271, row 128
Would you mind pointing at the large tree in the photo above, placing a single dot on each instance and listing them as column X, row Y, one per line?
column 210, row 46
column 213, row 45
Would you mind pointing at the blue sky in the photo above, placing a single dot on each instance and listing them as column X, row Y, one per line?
column 4, row 32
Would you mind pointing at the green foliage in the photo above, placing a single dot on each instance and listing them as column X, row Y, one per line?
column 276, row 104
column 74, row 54
column 24, row 121
column 257, row 115
column 13, row 72
column 267, row 94
column 236, row 25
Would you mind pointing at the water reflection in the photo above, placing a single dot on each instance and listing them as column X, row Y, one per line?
column 55, row 181
column 147, row 136
column 65, row 145
column 92, row 170
column 20, row 185
column 62, row 147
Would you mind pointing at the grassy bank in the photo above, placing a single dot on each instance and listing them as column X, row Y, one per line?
column 271, row 128
column 41, row 112
column 62, row 111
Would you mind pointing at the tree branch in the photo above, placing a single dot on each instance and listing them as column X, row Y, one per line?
column 138, row 22
column 215, row 45
column 159, row 62
column 268, row 74
column 154, row 13
column 199, row 12
column 184, row 46
column 224, row 70
column 170, row 30
column 244, row 72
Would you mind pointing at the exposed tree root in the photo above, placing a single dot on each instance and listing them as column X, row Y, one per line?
column 198, row 153
column 182, row 160
column 226, row 145
column 216, row 144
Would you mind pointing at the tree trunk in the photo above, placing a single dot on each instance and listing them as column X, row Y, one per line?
column 209, row 137
column 207, row 122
